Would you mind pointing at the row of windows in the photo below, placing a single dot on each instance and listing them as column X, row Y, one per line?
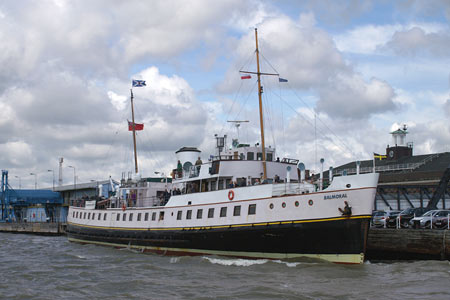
column 223, row 212
column 199, row 214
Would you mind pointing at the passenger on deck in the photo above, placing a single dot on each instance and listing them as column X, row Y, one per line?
column 256, row 181
column 198, row 164
column 179, row 169
column 231, row 185
column 277, row 179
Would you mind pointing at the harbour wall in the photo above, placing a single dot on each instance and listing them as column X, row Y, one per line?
column 408, row 244
column 34, row 228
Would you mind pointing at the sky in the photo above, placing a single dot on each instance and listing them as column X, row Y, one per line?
column 356, row 71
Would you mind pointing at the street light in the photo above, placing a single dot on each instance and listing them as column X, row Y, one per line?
column 35, row 180
column 53, row 177
column 74, row 181
column 20, row 184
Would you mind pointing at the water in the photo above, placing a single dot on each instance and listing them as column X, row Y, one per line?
column 36, row 267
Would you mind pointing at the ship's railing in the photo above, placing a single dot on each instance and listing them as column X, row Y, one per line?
column 387, row 168
column 281, row 189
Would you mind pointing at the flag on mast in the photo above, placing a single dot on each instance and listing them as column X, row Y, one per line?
column 138, row 83
column 246, row 77
column 282, row 79
column 137, row 126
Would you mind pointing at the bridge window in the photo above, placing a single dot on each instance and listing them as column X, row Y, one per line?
column 118, row 217
column 139, row 216
column 93, row 216
column 161, row 215
column 124, row 217
column 199, row 213
column 131, row 217
column 104, row 216
column 89, row 216
column 189, row 214
column 223, row 212
column 269, row 157
column 252, row 209
column 84, row 216
column 237, row 210
column 146, row 217
column 211, row 213
column 99, row 216
column 179, row 214
column 153, row 216
column 259, row 156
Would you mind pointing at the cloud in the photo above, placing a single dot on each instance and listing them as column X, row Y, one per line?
column 416, row 41
column 447, row 108
column 371, row 38
column 350, row 97
column 307, row 55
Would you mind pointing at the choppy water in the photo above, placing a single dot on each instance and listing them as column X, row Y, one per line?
column 36, row 267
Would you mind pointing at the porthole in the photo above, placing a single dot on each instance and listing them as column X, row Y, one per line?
column 348, row 185
column 297, row 204
column 271, row 206
column 283, row 204
column 310, row 202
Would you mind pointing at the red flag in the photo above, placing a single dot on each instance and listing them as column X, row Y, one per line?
column 246, row 77
column 137, row 126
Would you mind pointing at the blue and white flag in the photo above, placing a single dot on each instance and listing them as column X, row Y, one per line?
column 138, row 83
column 282, row 79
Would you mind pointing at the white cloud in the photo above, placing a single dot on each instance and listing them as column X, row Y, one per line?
column 371, row 39
column 350, row 97
column 416, row 41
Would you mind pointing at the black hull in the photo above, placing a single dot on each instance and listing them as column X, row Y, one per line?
column 332, row 237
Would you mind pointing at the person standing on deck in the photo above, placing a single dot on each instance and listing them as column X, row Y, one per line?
column 179, row 169
column 198, row 164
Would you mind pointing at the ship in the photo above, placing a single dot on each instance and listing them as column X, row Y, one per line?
column 242, row 202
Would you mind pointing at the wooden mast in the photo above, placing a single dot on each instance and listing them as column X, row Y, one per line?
column 134, row 133
column 260, row 91
column 261, row 119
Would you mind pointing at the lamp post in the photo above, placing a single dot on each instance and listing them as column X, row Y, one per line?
column 53, row 179
column 74, row 181
column 35, row 180
column 20, row 183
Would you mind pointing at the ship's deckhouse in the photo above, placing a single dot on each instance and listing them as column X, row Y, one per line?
column 240, row 165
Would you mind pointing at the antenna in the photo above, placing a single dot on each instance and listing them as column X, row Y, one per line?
column 237, row 123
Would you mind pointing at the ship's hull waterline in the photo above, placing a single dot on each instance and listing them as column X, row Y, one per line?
column 339, row 240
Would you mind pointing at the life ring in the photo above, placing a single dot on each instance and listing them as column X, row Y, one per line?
column 231, row 195
column 123, row 207
column 310, row 202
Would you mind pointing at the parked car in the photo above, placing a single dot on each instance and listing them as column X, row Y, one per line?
column 406, row 215
column 441, row 220
column 425, row 220
column 391, row 219
column 376, row 217
column 379, row 217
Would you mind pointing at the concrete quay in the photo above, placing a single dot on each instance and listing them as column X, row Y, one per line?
column 408, row 244
column 34, row 228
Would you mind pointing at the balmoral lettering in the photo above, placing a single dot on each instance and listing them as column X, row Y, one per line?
column 335, row 196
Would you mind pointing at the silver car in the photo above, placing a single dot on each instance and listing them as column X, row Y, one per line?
column 424, row 221
column 379, row 217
